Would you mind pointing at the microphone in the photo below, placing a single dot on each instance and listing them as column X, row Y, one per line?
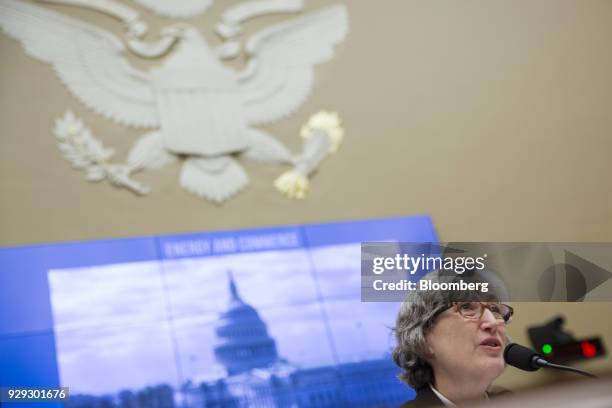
column 523, row 358
column 526, row 359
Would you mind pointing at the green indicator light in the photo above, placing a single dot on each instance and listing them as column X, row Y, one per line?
column 547, row 348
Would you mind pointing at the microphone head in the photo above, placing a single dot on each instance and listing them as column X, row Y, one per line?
column 521, row 357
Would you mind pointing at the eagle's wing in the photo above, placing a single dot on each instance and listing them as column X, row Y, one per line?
column 280, row 74
column 176, row 8
column 90, row 62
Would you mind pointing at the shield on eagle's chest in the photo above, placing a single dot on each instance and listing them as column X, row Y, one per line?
column 199, row 108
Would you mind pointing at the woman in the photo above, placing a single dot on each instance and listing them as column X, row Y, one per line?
column 450, row 344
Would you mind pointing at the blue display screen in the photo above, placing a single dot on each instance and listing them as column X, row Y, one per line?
column 257, row 317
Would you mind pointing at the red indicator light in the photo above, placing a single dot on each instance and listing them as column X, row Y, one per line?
column 588, row 349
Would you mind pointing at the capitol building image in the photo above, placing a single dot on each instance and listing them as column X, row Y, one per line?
column 248, row 371
column 256, row 376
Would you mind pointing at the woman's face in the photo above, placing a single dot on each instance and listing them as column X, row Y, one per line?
column 462, row 347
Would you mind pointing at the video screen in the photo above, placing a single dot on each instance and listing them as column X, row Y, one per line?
column 262, row 318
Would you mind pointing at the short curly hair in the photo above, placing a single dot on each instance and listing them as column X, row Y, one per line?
column 417, row 316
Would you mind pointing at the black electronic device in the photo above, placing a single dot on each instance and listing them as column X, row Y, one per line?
column 559, row 346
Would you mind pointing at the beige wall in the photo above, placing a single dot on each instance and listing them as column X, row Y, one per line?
column 495, row 117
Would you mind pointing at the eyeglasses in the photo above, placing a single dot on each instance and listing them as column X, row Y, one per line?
column 475, row 310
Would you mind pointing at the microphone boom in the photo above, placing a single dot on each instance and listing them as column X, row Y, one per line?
column 526, row 359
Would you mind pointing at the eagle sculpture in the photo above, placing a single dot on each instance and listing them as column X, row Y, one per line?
column 200, row 110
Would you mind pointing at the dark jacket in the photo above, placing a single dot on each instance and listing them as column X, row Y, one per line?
column 424, row 398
